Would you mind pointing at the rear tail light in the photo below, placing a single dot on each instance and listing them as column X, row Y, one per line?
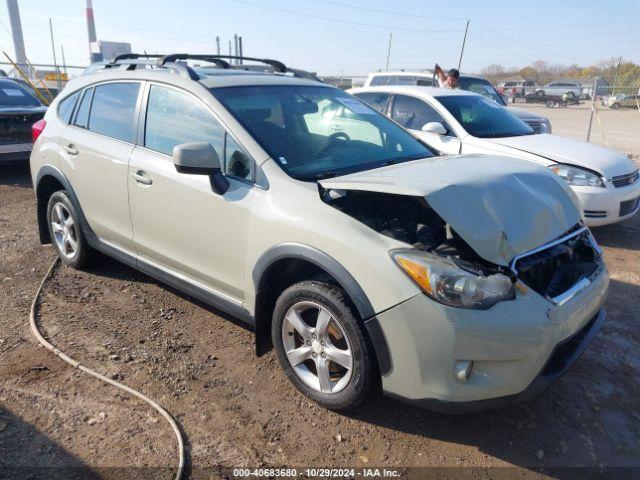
column 37, row 128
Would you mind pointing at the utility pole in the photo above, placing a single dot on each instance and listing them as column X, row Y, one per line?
column 240, row 48
column 389, row 51
column 16, row 32
column 235, row 46
column 593, row 109
column 218, row 44
column 64, row 62
column 55, row 62
column 615, row 80
column 464, row 41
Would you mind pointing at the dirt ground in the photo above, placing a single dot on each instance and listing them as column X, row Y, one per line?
column 237, row 410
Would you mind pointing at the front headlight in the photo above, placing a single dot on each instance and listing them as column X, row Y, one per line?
column 445, row 282
column 577, row 177
column 545, row 126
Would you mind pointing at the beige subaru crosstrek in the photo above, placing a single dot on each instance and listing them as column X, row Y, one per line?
column 364, row 258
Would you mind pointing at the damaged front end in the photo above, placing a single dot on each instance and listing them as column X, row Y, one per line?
column 561, row 268
column 440, row 262
column 450, row 271
column 474, row 226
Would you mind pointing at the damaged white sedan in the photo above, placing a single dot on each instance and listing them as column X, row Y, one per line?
column 456, row 283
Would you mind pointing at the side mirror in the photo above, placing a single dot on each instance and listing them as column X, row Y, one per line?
column 200, row 158
column 504, row 98
column 434, row 127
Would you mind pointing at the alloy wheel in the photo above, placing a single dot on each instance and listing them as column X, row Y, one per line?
column 64, row 230
column 317, row 347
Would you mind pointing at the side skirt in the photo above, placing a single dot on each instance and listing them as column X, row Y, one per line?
column 215, row 301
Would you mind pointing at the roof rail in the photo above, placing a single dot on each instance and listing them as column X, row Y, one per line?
column 278, row 66
column 133, row 59
column 135, row 56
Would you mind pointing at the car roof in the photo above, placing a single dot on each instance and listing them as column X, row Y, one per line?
column 425, row 73
column 215, row 78
column 415, row 90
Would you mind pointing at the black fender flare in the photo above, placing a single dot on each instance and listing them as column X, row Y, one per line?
column 322, row 260
column 344, row 279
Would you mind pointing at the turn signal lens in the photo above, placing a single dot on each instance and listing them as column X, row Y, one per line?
column 417, row 272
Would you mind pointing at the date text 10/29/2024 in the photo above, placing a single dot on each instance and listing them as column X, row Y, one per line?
column 315, row 473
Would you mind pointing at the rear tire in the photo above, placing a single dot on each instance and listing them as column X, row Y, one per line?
column 615, row 106
column 66, row 232
column 321, row 345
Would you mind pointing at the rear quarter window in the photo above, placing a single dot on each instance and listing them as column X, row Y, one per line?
column 65, row 109
column 82, row 117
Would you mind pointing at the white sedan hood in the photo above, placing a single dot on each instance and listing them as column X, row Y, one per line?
column 574, row 152
column 500, row 206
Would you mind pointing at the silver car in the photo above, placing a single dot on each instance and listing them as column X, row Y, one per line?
column 361, row 257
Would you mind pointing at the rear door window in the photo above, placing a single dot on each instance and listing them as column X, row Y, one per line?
column 375, row 100
column 414, row 113
column 113, row 110
column 82, row 115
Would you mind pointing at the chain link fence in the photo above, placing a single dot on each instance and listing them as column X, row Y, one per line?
column 610, row 117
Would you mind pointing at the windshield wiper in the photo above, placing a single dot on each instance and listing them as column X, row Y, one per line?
column 392, row 161
column 328, row 174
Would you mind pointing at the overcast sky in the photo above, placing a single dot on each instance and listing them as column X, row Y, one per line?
column 331, row 36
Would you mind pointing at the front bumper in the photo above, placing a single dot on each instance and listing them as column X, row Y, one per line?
column 517, row 347
column 602, row 206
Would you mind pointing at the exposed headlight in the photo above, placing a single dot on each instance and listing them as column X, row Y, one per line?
column 577, row 177
column 545, row 126
column 445, row 282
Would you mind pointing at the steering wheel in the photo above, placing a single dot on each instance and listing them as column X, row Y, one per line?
column 332, row 142
column 334, row 136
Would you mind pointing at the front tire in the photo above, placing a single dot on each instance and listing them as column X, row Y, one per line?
column 66, row 232
column 321, row 346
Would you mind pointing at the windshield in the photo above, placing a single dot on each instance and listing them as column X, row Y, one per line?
column 13, row 95
column 481, row 86
column 317, row 132
column 484, row 118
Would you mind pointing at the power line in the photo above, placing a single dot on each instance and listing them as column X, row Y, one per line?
column 530, row 47
column 339, row 20
column 498, row 46
column 388, row 12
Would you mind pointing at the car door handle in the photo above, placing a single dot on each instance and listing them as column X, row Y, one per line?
column 70, row 149
column 141, row 177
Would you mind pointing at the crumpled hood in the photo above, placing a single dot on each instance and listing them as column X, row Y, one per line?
column 500, row 206
column 574, row 152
